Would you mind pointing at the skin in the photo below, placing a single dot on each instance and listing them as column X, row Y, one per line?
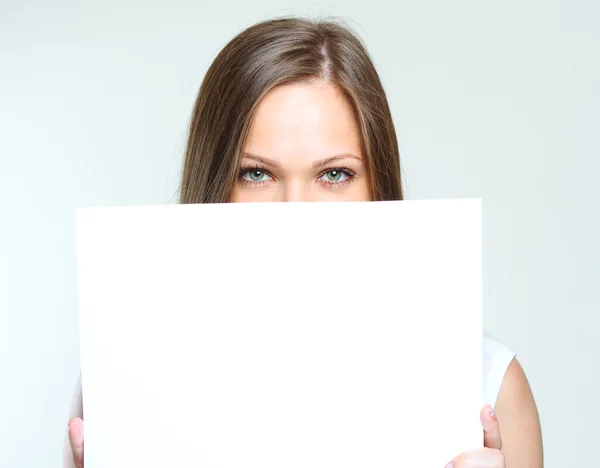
column 304, row 145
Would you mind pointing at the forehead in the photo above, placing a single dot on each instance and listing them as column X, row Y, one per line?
column 308, row 121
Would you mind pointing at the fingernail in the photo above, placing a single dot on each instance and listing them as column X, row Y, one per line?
column 449, row 465
column 492, row 414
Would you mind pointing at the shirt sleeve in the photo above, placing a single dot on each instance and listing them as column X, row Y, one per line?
column 496, row 359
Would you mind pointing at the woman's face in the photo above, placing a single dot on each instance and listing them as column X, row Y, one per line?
column 303, row 145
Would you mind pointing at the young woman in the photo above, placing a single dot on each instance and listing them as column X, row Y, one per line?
column 293, row 110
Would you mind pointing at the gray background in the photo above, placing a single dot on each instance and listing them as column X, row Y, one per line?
column 498, row 100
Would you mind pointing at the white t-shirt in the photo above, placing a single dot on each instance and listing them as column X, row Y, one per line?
column 496, row 359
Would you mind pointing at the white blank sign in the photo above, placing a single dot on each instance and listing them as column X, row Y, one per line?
column 281, row 335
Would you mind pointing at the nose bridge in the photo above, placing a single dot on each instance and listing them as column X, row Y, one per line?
column 296, row 191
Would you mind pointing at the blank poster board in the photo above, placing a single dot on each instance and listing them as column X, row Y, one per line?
column 281, row 335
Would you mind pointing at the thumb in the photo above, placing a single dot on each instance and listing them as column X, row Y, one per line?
column 491, row 429
column 76, row 440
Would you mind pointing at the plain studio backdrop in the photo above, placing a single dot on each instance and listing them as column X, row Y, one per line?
column 499, row 100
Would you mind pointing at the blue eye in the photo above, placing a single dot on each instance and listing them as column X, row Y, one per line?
column 256, row 175
column 334, row 176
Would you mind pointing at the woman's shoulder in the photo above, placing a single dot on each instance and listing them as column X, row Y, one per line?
column 497, row 357
column 76, row 406
column 507, row 389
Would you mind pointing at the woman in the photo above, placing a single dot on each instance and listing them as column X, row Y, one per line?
column 293, row 110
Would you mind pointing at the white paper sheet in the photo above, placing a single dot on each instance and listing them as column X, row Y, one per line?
column 281, row 335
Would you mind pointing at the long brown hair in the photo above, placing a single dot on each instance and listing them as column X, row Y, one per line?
column 272, row 53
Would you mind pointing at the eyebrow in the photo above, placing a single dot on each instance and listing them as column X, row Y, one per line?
column 316, row 164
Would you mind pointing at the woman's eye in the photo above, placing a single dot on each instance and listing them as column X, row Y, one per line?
column 256, row 175
column 334, row 175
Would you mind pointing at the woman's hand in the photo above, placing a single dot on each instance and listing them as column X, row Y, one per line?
column 490, row 456
column 76, row 440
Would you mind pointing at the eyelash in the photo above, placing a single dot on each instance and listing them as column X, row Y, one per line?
column 344, row 170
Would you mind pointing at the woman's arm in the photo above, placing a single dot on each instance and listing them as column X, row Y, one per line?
column 75, row 410
column 515, row 411
column 519, row 420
